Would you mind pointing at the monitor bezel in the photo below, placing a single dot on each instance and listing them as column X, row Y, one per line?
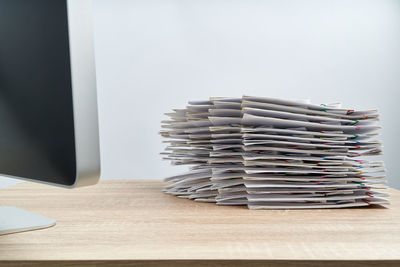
column 84, row 96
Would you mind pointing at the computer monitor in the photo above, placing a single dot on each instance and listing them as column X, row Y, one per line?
column 48, row 103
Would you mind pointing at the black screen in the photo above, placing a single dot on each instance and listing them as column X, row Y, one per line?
column 36, row 112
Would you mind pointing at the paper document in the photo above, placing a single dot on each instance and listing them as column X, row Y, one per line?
column 269, row 153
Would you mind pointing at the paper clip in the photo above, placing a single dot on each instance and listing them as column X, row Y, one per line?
column 366, row 201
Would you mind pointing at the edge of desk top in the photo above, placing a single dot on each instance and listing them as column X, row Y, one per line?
column 132, row 220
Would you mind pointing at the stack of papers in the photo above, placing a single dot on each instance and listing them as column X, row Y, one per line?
column 270, row 153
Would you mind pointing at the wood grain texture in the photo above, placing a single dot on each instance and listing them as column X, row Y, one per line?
column 132, row 221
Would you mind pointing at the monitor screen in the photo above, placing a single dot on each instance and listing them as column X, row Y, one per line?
column 36, row 106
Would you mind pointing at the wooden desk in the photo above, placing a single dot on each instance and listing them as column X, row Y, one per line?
column 130, row 223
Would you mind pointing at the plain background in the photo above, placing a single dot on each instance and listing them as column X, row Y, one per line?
column 153, row 56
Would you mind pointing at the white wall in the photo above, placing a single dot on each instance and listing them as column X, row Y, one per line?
column 155, row 55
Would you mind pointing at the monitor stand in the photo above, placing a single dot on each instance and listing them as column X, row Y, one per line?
column 14, row 220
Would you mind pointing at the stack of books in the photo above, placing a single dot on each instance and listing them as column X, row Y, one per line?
column 270, row 153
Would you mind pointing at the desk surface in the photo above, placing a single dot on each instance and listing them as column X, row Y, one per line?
column 132, row 220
